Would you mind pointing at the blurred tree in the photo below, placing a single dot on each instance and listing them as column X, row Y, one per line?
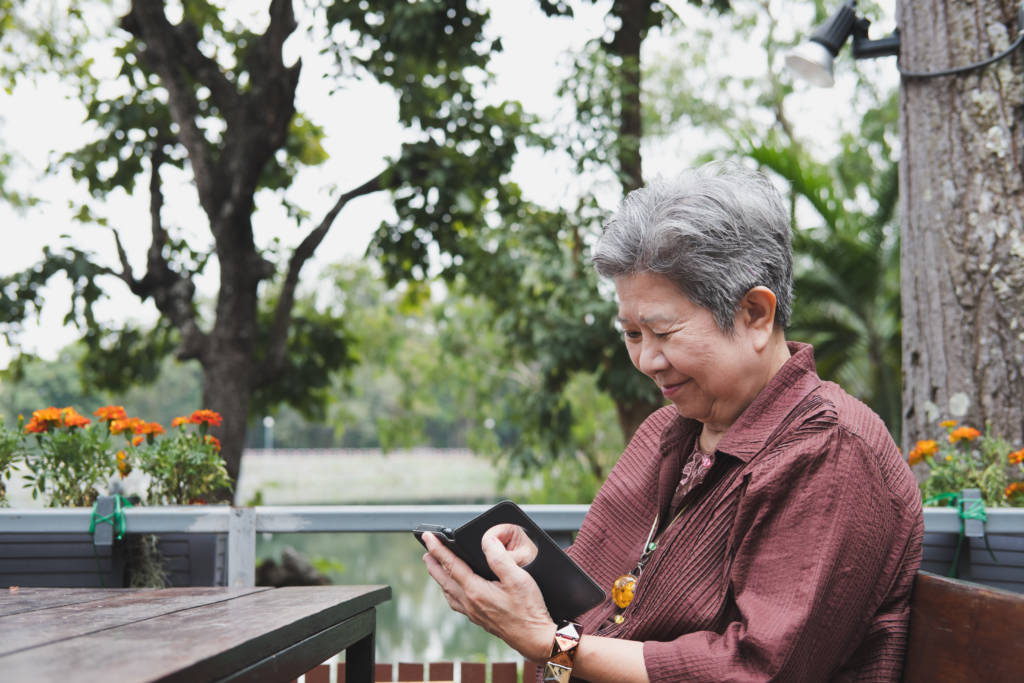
column 532, row 263
column 204, row 93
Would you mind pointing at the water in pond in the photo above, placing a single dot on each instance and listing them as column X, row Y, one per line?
column 416, row 625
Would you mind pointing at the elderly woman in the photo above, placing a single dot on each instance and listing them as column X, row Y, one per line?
column 761, row 527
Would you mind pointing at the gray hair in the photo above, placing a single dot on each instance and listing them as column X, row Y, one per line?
column 716, row 232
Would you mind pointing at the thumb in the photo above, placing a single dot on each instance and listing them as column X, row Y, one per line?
column 500, row 560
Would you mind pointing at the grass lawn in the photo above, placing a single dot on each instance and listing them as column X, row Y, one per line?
column 365, row 476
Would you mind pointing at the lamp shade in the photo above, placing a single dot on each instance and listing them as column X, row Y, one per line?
column 812, row 61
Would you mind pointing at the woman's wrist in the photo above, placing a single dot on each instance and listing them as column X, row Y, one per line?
column 559, row 664
column 540, row 646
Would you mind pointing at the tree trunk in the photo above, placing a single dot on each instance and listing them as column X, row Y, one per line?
column 627, row 43
column 226, row 390
column 229, row 358
column 961, row 215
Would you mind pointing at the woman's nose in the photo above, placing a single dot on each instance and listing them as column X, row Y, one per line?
column 651, row 360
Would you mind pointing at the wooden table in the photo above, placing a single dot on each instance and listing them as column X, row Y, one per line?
column 185, row 634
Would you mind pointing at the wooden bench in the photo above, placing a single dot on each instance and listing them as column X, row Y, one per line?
column 962, row 631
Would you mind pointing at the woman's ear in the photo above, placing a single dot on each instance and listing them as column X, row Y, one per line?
column 757, row 313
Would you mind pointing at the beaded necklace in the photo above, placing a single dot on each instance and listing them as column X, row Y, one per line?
column 624, row 587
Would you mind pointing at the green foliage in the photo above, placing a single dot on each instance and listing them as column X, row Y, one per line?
column 21, row 294
column 130, row 356
column 10, row 455
column 964, row 458
column 68, row 459
column 594, row 445
column 434, row 54
column 184, row 467
column 408, row 389
column 319, row 342
column 847, row 277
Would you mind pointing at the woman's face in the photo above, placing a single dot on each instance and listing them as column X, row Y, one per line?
column 708, row 375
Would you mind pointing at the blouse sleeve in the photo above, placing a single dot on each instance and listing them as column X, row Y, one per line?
column 818, row 543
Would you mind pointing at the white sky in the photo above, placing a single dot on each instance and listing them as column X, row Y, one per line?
column 39, row 119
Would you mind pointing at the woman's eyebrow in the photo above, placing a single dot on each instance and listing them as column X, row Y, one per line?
column 647, row 320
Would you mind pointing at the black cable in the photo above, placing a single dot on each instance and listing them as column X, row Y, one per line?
column 969, row 67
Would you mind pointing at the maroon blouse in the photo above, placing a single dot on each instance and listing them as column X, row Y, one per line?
column 793, row 560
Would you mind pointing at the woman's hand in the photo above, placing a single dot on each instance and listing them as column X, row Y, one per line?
column 512, row 607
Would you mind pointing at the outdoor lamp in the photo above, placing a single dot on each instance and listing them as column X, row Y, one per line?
column 812, row 60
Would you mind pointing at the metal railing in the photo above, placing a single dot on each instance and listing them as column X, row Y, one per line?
column 241, row 524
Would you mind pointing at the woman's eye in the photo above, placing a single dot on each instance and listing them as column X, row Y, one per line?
column 631, row 335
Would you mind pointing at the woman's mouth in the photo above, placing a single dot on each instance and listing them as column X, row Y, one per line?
column 669, row 390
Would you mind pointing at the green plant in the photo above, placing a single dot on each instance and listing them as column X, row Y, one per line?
column 70, row 459
column 10, row 454
column 184, row 467
column 968, row 458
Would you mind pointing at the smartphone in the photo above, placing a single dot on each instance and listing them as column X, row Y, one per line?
column 443, row 533
column 568, row 590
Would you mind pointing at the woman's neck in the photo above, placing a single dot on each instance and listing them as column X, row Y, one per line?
column 777, row 353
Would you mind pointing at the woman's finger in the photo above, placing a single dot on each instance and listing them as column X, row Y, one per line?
column 452, row 563
column 503, row 563
column 514, row 538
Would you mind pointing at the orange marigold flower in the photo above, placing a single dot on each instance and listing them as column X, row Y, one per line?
column 34, row 426
column 213, row 441
column 71, row 418
column 947, row 424
column 50, row 414
column 127, row 424
column 137, row 441
column 963, row 434
column 178, row 421
column 1013, row 488
column 1017, row 457
column 923, row 449
column 108, row 413
column 153, row 428
column 210, row 417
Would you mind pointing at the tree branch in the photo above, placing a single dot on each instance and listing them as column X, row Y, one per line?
column 171, row 291
column 171, row 51
column 126, row 268
column 259, row 118
column 303, row 252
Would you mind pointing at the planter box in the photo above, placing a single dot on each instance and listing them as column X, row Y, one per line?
column 50, row 560
column 975, row 563
column 52, row 548
column 70, row 560
column 194, row 559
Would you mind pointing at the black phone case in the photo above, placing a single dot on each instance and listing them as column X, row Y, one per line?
column 568, row 590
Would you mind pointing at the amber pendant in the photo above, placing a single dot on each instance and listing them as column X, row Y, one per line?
column 623, row 590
